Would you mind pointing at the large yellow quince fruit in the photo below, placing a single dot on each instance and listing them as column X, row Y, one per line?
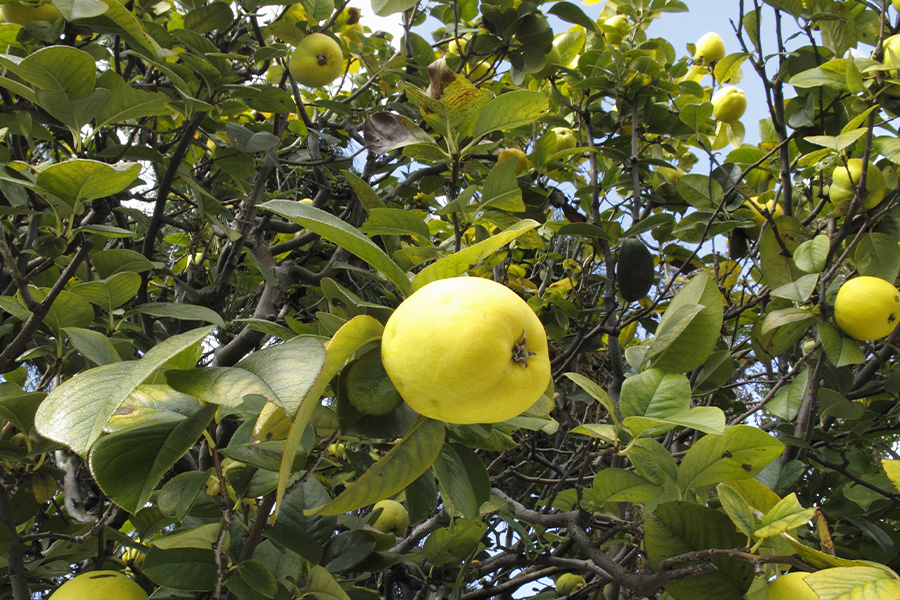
column 867, row 308
column 317, row 61
column 393, row 518
column 729, row 104
column 791, row 587
column 772, row 206
column 23, row 14
column 844, row 180
column 710, row 48
column 519, row 155
column 466, row 350
column 99, row 584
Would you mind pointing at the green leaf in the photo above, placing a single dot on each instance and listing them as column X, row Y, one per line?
column 460, row 262
column 501, row 190
column 213, row 16
column 788, row 399
column 342, row 234
column 127, row 465
column 68, row 310
column 892, row 468
column 798, row 290
column 80, row 9
column 203, row 536
column 782, row 328
column 249, row 141
column 463, row 480
column 831, row 75
column 700, row 191
column 741, row 452
column 397, row 221
column 737, row 508
column 56, row 68
column 93, row 345
column 655, row 393
column 689, row 329
column 408, row 459
column 183, row 312
column 597, row 393
column 110, row 293
column 385, row 8
column 367, row 196
column 786, row 515
column 812, row 254
column 618, row 485
column 289, row 370
column 353, row 335
column 346, row 550
column 877, row 255
column 840, row 349
column 189, row 569
column 119, row 260
column 127, row 103
column 177, row 496
column 708, row 419
column 607, row 433
column 677, row 528
column 854, row 582
column 75, row 114
column 510, row 110
column 319, row 582
column 134, row 33
column 259, row 577
column 573, row 14
column 76, row 412
column 455, row 543
column 302, row 534
column 82, row 179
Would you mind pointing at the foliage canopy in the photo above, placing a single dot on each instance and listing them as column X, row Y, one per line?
column 199, row 256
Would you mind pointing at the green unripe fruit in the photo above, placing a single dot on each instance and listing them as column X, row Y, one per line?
column 568, row 583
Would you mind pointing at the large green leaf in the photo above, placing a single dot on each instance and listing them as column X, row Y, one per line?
column 408, row 459
column 110, row 293
column 655, row 393
column 81, row 179
column 877, row 255
column 93, row 345
column 127, row 103
column 677, row 528
column 56, row 68
column 501, row 190
column 510, row 110
column 463, row 480
column 76, row 412
column 353, row 335
column 619, row 485
column 342, row 234
column 128, row 464
column 850, row 583
column 741, row 452
column 460, row 262
column 689, row 328
column 184, row 312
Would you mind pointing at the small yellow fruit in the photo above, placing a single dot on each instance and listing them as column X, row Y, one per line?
column 771, row 206
column 615, row 28
column 867, row 308
column 845, row 178
column 565, row 138
column 307, row 201
column 393, row 518
column 791, row 587
column 337, row 450
column 466, row 350
column 710, row 48
column 520, row 156
column 99, row 584
column 23, row 14
column 479, row 70
column 729, row 104
column 317, row 61
column 568, row 583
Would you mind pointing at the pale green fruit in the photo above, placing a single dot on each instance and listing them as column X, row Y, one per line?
column 729, row 104
column 393, row 518
column 791, row 587
column 867, row 308
column 844, row 180
column 568, row 583
column 771, row 206
column 710, row 48
column 95, row 585
column 317, row 61
column 466, row 350
column 23, row 14
column 553, row 57
column 565, row 138
column 615, row 28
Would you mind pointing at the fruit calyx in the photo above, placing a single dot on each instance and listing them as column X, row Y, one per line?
column 322, row 59
column 519, row 353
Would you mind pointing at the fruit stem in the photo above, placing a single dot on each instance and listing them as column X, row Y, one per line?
column 520, row 354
